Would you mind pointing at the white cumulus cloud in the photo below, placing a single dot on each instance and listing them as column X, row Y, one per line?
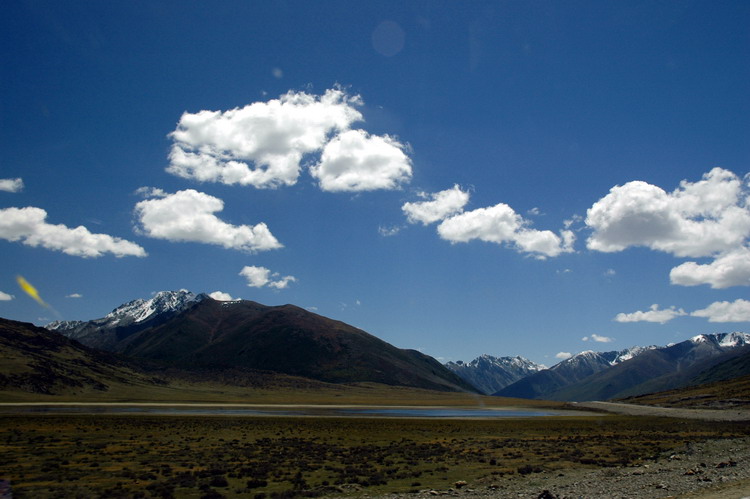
column 28, row 225
column 189, row 216
column 598, row 339
column 221, row 296
column 439, row 206
column 11, row 184
column 728, row 269
column 653, row 314
column 258, row 277
column 725, row 311
column 502, row 225
column 563, row 355
column 357, row 161
column 74, row 295
column 262, row 143
column 698, row 219
column 5, row 296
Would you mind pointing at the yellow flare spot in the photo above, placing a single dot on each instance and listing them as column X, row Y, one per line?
column 30, row 290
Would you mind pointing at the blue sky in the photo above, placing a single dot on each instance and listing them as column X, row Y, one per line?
column 513, row 178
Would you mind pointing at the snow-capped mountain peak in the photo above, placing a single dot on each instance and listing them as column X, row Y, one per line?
column 734, row 339
column 140, row 310
column 490, row 374
column 128, row 318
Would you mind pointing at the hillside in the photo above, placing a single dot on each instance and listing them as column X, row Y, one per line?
column 188, row 331
column 724, row 385
column 35, row 360
column 285, row 339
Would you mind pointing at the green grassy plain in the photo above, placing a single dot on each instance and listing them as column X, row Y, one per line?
column 288, row 392
column 264, row 457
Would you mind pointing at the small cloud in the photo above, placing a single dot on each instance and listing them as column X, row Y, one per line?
column 652, row 315
column 564, row 271
column 439, row 206
column 598, row 339
column 389, row 231
column 355, row 161
column 150, row 192
column 610, row 272
column 728, row 269
column 221, row 296
column 312, row 309
column 5, row 296
column 535, row 211
column 277, row 73
column 500, row 224
column 575, row 219
column 74, row 295
column 563, row 355
column 11, row 184
column 189, row 216
column 359, row 303
column 724, row 311
column 258, row 277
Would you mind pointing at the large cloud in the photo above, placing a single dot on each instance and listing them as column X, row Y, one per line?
column 189, row 216
column 357, row 161
column 440, row 205
column 729, row 269
column 28, row 225
column 724, row 311
column 11, row 184
column 262, row 143
column 258, row 277
column 654, row 314
column 698, row 219
column 502, row 225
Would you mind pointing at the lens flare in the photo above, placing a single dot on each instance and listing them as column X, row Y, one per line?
column 30, row 290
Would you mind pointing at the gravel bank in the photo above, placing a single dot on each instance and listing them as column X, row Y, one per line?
column 649, row 410
column 714, row 469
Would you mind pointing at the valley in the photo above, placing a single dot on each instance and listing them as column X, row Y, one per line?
column 185, row 396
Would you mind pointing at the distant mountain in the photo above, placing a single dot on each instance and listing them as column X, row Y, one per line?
column 722, row 386
column 188, row 331
column 35, row 360
column 595, row 376
column 543, row 384
column 492, row 374
column 127, row 319
column 731, row 369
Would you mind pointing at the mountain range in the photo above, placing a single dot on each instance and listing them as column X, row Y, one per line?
column 491, row 374
column 187, row 331
column 605, row 375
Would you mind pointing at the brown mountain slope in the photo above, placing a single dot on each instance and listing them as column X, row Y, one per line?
column 285, row 339
column 33, row 359
column 724, row 385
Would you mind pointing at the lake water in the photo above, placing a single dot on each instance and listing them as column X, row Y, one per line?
column 387, row 412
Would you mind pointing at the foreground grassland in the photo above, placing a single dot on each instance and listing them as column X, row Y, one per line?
column 264, row 457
